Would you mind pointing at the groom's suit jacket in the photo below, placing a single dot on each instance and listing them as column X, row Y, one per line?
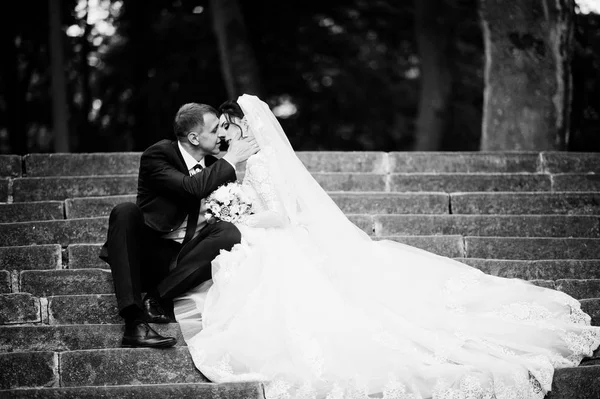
column 166, row 193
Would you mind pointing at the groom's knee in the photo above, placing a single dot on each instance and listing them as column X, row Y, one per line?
column 227, row 234
column 125, row 212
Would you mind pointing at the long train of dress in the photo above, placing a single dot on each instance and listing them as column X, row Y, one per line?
column 385, row 319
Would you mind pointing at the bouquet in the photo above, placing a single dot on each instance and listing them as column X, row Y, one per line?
column 227, row 203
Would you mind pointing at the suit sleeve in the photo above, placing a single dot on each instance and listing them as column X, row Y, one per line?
column 166, row 180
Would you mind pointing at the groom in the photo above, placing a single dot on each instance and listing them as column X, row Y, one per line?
column 162, row 244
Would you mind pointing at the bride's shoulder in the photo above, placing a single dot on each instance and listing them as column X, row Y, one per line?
column 257, row 159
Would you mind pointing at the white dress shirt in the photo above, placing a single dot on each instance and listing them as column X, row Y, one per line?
column 179, row 233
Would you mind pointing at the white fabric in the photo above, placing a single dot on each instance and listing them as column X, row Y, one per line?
column 179, row 233
column 311, row 305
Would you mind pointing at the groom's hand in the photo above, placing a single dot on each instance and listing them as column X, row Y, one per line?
column 241, row 150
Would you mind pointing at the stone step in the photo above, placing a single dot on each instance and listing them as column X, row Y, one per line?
column 315, row 161
column 328, row 161
column 120, row 366
column 31, row 257
column 20, row 308
column 457, row 182
column 563, row 203
column 485, row 225
column 576, row 182
column 349, row 202
column 576, row 383
column 10, row 165
column 93, row 230
column 571, row 162
column 66, row 282
column 58, row 338
column 159, row 370
column 527, row 248
column 23, row 308
column 84, row 256
column 5, row 282
column 4, row 189
column 60, row 188
column 43, row 283
column 234, row 390
column 27, row 211
column 63, row 232
column 537, row 269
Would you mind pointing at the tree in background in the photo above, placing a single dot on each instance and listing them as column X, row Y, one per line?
column 238, row 63
column 340, row 75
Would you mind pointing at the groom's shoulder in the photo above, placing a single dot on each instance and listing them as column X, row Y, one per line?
column 164, row 145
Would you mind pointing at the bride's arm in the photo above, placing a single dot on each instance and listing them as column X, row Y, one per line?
column 273, row 214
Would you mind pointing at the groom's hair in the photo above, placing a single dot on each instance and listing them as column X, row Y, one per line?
column 189, row 116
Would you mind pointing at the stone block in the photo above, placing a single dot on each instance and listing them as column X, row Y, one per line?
column 4, row 190
column 83, row 309
column 464, row 162
column 488, row 225
column 537, row 269
column 29, row 211
column 526, row 203
column 10, row 166
column 94, row 206
column 544, row 283
column 580, row 289
column 85, row 256
column 344, row 161
column 571, row 162
column 60, row 188
column 232, row 390
column 351, row 181
column 63, row 232
column 449, row 246
column 5, row 282
column 592, row 307
column 117, row 163
column 128, row 366
column 532, row 248
column 397, row 203
column 72, row 337
column 28, row 369
column 576, row 383
column 364, row 222
column 575, row 182
column 66, row 282
column 19, row 308
column 450, row 183
column 31, row 257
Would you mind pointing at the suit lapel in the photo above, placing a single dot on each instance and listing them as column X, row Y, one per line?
column 180, row 164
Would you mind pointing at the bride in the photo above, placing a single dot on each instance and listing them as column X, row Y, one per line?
column 312, row 306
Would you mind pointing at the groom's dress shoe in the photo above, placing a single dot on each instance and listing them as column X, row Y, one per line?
column 154, row 311
column 139, row 334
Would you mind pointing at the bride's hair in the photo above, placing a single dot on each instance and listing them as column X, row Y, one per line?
column 231, row 109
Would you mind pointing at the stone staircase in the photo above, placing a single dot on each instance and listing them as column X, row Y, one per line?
column 527, row 215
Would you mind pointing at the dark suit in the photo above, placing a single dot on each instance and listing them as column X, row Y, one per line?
column 140, row 259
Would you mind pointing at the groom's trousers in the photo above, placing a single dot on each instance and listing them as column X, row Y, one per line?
column 142, row 261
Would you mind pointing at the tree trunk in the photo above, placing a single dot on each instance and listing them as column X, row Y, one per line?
column 86, row 94
column 527, row 75
column 238, row 62
column 14, row 89
column 433, row 36
column 59, row 88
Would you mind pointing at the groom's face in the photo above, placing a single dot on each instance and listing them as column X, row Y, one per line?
column 207, row 138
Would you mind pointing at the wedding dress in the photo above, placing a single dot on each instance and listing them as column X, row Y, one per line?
column 313, row 307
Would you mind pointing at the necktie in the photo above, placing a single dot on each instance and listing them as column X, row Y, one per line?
column 193, row 215
column 197, row 168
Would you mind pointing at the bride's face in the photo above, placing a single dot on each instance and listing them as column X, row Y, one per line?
column 229, row 128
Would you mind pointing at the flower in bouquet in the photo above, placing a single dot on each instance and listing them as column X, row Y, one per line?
column 228, row 203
